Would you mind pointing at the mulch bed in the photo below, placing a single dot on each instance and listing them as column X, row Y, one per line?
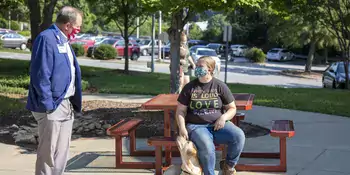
column 98, row 115
column 302, row 74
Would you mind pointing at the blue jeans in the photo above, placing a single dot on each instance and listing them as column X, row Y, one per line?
column 204, row 137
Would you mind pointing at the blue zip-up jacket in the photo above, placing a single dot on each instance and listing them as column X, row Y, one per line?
column 50, row 74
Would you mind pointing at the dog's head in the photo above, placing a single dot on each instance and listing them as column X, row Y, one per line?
column 189, row 158
column 186, row 146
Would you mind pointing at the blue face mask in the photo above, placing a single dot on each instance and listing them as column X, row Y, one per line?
column 200, row 72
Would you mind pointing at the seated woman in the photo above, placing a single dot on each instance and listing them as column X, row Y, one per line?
column 201, row 119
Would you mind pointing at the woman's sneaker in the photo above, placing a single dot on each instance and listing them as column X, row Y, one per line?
column 226, row 169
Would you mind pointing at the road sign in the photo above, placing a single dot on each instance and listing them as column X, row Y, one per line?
column 164, row 37
column 227, row 33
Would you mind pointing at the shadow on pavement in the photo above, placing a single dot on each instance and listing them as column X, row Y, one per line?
column 102, row 162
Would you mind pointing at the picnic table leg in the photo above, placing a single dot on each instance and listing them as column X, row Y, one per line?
column 132, row 145
column 118, row 151
column 167, row 133
column 283, row 153
column 159, row 162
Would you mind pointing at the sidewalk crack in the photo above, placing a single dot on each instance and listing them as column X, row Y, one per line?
column 312, row 161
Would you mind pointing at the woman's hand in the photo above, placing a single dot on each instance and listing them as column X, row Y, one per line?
column 193, row 66
column 183, row 133
column 220, row 123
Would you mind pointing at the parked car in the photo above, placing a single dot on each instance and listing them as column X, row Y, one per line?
column 334, row 75
column 196, row 42
column 80, row 35
column 134, row 48
column 14, row 40
column 279, row 54
column 5, row 31
column 85, row 43
column 203, row 52
column 133, row 51
column 146, row 46
column 194, row 48
column 165, row 51
column 238, row 50
column 220, row 49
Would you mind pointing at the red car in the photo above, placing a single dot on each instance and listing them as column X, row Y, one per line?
column 86, row 43
column 134, row 48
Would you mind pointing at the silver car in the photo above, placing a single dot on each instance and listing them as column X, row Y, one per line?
column 279, row 54
column 238, row 50
column 14, row 40
column 146, row 46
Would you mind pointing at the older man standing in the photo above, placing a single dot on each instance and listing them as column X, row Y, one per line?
column 55, row 90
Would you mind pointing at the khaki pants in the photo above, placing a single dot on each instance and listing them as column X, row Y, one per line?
column 55, row 130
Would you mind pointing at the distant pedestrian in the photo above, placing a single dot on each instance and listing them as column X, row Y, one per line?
column 189, row 63
column 55, row 91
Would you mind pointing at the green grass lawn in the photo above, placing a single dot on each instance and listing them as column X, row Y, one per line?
column 14, row 50
column 14, row 79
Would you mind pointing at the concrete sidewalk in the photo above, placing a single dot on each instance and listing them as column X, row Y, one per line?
column 321, row 146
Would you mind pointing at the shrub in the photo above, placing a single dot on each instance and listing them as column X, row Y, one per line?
column 84, row 85
column 3, row 23
column 15, row 25
column 255, row 55
column 105, row 52
column 24, row 33
column 78, row 49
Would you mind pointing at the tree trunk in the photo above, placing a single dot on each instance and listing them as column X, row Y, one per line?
column 310, row 56
column 48, row 10
column 35, row 18
column 325, row 55
column 174, row 32
column 126, row 46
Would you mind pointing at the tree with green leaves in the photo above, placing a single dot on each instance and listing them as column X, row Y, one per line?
column 195, row 32
column 299, row 26
column 181, row 12
column 146, row 28
column 214, row 30
column 297, row 32
column 335, row 15
column 123, row 13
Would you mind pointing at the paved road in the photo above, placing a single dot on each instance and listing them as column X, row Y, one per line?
column 238, row 72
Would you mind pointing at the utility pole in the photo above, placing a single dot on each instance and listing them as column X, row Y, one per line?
column 159, row 32
column 227, row 38
column 9, row 18
column 138, row 27
column 153, row 36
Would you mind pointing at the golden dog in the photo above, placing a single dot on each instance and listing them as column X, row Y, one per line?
column 190, row 164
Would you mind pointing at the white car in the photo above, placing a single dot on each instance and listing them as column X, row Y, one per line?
column 200, row 52
column 279, row 54
column 238, row 50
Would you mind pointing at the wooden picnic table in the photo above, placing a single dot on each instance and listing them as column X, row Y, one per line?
column 168, row 103
column 282, row 129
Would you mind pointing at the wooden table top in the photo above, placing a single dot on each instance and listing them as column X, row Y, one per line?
column 244, row 101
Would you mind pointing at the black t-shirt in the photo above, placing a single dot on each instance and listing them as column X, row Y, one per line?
column 205, row 101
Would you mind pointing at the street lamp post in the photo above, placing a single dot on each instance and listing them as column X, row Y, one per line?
column 159, row 32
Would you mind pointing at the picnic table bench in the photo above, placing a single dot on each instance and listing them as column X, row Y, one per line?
column 126, row 128
column 168, row 102
column 280, row 128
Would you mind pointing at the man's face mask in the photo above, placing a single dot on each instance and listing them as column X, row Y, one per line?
column 200, row 72
column 73, row 34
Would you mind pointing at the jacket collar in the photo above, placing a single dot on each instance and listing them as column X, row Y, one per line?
column 59, row 34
